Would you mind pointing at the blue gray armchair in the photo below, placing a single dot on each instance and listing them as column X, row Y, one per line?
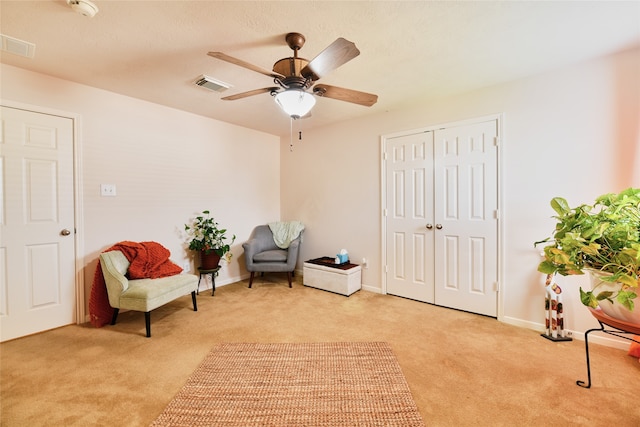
column 263, row 255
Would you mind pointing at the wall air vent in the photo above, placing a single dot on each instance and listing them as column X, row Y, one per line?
column 17, row 47
column 212, row 84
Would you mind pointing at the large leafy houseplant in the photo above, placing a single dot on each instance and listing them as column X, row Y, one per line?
column 205, row 235
column 603, row 237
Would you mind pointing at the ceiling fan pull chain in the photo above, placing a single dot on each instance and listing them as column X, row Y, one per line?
column 291, row 134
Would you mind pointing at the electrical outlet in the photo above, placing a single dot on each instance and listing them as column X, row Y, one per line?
column 108, row 190
column 365, row 263
column 186, row 267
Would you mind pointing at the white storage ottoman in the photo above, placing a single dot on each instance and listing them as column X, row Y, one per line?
column 323, row 273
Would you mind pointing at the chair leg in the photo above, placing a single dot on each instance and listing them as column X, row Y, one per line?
column 193, row 298
column 147, row 321
column 115, row 316
column 289, row 278
column 251, row 279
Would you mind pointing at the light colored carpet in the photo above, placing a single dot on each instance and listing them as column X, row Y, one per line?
column 295, row 384
column 463, row 370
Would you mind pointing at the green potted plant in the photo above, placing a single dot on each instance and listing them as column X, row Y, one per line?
column 603, row 239
column 205, row 236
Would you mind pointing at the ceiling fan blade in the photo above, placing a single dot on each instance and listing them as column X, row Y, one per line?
column 348, row 95
column 244, row 64
column 336, row 54
column 249, row 93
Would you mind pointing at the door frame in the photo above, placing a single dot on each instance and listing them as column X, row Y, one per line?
column 499, row 117
column 77, row 197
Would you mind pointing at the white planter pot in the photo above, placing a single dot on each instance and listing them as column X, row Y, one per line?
column 615, row 310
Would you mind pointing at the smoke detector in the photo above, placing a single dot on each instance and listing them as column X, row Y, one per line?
column 212, row 84
column 83, row 7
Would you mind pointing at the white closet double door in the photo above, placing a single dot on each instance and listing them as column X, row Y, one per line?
column 441, row 227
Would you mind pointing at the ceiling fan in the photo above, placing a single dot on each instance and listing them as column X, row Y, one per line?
column 295, row 76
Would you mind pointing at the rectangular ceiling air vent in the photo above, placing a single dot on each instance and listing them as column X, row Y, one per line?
column 17, row 47
column 212, row 84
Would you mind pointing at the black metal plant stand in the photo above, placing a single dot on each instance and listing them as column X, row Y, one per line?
column 618, row 328
column 206, row 271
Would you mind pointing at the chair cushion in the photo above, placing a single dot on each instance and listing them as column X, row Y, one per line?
column 147, row 294
column 275, row 255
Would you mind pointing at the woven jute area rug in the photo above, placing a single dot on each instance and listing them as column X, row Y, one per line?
column 287, row 384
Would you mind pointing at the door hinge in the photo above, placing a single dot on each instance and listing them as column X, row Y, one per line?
column 385, row 212
column 496, row 214
column 384, row 155
column 496, row 141
column 496, row 286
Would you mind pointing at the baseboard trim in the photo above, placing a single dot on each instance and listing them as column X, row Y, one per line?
column 596, row 338
column 373, row 289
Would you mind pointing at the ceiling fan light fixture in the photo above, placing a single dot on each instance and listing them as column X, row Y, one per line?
column 295, row 102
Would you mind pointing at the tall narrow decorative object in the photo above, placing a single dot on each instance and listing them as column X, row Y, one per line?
column 554, row 312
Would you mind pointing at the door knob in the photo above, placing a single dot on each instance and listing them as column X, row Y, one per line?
column 65, row 232
column 429, row 226
column 439, row 226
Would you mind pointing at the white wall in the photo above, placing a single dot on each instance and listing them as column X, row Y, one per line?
column 167, row 166
column 572, row 132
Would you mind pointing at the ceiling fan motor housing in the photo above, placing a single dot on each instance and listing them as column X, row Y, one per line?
column 290, row 66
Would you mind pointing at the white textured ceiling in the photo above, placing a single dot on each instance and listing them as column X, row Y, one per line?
column 411, row 51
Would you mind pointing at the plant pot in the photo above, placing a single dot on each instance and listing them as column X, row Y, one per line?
column 615, row 309
column 209, row 261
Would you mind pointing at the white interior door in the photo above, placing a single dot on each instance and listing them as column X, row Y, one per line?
column 409, row 213
column 441, row 228
column 37, row 280
column 466, row 234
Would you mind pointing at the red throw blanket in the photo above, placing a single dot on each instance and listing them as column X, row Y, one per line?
column 148, row 260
